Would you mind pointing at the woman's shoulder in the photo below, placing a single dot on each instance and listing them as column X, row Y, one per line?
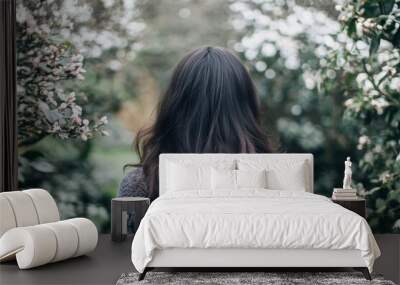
column 133, row 184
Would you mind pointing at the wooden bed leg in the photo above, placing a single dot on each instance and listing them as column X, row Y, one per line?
column 143, row 274
column 364, row 271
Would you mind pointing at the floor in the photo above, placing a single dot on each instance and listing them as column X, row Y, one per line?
column 110, row 260
column 103, row 266
column 389, row 263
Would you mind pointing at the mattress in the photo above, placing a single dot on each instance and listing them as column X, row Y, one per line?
column 250, row 219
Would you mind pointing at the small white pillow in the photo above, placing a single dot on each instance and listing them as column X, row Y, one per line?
column 251, row 178
column 226, row 179
column 223, row 179
column 181, row 177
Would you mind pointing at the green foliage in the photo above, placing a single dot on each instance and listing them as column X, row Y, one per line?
column 373, row 21
column 58, row 106
column 285, row 45
column 371, row 66
column 331, row 87
column 77, row 192
column 45, row 62
column 82, row 177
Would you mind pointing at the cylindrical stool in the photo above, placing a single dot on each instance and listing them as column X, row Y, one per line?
column 126, row 214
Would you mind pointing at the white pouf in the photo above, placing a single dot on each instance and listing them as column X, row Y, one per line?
column 46, row 207
column 7, row 220
column 31, row 232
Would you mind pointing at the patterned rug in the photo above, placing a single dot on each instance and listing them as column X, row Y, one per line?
column 243, row 278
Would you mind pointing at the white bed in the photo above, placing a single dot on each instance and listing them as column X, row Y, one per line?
column 280, row 225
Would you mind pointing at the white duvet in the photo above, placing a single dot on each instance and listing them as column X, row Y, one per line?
column 250, row 218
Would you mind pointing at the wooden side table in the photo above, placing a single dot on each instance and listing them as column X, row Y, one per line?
column 357, row 205
column 126, row 214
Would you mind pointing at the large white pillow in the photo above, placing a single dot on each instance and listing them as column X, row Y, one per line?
column 193, row 174
column 281, row 174
column 181, row 177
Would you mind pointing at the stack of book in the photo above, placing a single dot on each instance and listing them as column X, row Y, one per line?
column 344, row 194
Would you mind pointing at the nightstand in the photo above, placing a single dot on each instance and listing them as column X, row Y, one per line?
column 126, row 214
column 357, row 205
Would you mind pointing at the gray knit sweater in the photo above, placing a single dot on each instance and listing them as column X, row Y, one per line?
column 133, row 184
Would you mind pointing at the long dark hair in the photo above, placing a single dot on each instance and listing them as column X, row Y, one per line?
column 210, row 106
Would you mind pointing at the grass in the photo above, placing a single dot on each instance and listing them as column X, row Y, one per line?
column 109, row 163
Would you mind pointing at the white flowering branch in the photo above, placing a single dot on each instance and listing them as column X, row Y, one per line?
column 44, row 63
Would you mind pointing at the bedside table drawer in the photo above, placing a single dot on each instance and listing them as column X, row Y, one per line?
column 357, row 206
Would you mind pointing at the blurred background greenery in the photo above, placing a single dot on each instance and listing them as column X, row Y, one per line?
column 113, row 58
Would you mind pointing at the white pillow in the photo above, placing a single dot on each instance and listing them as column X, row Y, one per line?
column 281, row 174
column 183, row 177
column 223, row 179
column 226, row 179
column 251, row 178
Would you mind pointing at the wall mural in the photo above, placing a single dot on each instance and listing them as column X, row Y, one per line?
column 90, row 72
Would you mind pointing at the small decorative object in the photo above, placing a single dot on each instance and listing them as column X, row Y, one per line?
column 126, row 214
column 345, row 193
column 347, row 174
